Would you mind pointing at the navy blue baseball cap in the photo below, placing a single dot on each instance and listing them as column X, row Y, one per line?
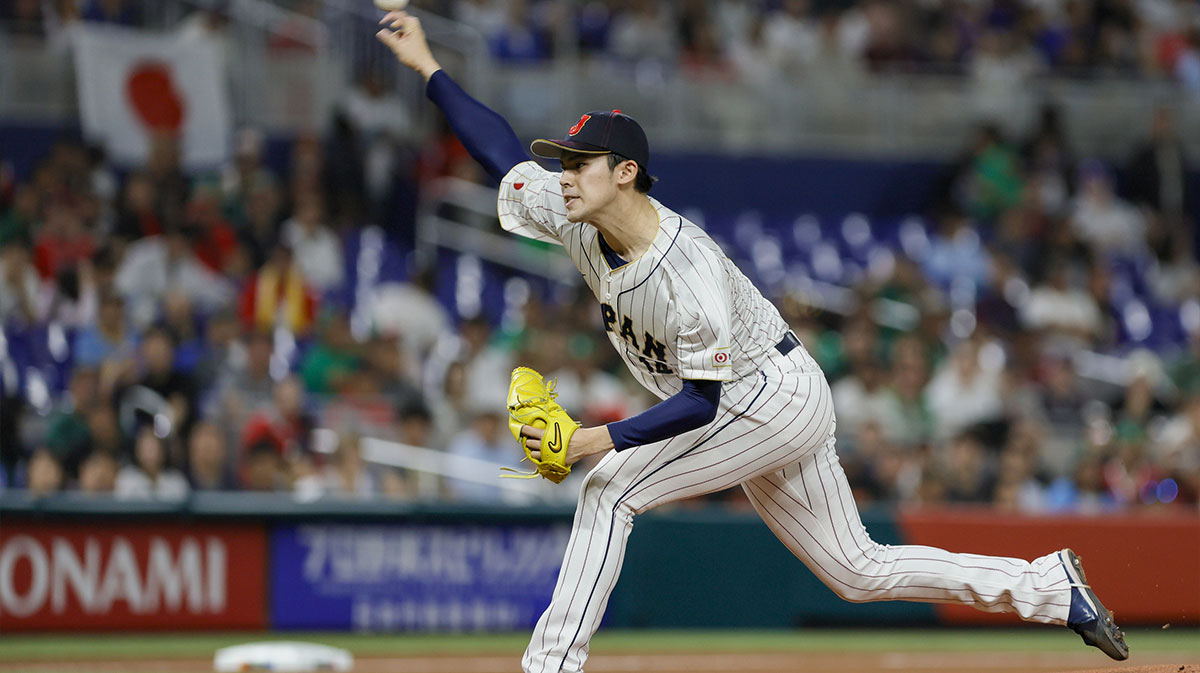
column 602, row 132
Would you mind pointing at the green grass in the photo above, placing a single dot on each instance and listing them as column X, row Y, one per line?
column 95, row 647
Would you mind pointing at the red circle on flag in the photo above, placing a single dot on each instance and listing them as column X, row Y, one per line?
column 154, row 97
column 721, row 358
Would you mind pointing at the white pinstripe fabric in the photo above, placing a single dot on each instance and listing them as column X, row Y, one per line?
column 773, row 435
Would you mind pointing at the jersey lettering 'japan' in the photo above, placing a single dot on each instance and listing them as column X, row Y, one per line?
column 682, row 310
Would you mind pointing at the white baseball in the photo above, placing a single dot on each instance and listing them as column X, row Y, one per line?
column 391, row 5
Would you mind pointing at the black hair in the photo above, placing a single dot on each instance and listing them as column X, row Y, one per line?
column 643, row 182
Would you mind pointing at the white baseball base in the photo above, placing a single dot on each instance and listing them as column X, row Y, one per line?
column 280, row 656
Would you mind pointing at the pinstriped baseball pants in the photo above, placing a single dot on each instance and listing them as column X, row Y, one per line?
column 773, row 435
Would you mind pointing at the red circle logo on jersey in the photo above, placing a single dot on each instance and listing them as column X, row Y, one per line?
column 721, row 358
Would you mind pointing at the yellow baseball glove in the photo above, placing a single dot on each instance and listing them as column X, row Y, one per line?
column 531, row 402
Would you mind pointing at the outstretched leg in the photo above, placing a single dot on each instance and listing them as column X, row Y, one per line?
column 810, row 508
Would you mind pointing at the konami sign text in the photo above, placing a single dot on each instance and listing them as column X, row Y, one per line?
column 71, row 575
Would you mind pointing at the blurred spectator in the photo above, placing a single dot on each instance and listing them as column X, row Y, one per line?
column 449, row 403
column 905, row 418
column 258, row 232
column 154, row 265
column 519, row 39
column 171, row 186
column 335, row 357
column 1082, row 492
column 1061, row 404
column 483, row 359
column 1184, row 370
column 386, row 363
column 1108, row 224
column 243, row 391
column 393, row 309
column 888, row 46
column 590, row 393
column 62, row 241
column 109, row 345
column 989, row 179
column 19, row 284
column 964, row 390
column 245, row 175
column 1187, row 63
column 161, row 387
column 67, row 435
column 347, row 475
column 71, row 299
column 1059, row 309
column 858, row 397
column 1017, row 487
column 486, row 438
column 21, row 218
column 1174, row 276
column 149, row 477
column 956, row 253
column 385, row 123
column 137, row 214
column 212, row 238
column 23, row 18
column 343, row 169
column 220, row 350
column 316, row 249
column 210, row 467
column 1050, row 163
column 98, row 473
column 285, row 423
column 1157, row 171
column 790, row 38
column 968, row 474
column 278, row 296
column 263, row 469
column 104, row 430
column 179, row 317
column 210, row 23
column 645, row 32
column 415, row 427
column 121, row 12
column 45, row 473
column 484, row 16
column 751, row 55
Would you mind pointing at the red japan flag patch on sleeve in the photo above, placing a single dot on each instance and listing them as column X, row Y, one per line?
column 721, row 357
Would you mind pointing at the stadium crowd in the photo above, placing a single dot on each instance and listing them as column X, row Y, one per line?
column 753, row 40
column 762, row 38
column 204, row 335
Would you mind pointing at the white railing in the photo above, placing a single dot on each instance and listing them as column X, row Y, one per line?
column 432, row 467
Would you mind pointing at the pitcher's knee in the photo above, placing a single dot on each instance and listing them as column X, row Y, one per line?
column 857, row 578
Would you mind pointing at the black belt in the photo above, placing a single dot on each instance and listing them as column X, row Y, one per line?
column 788, row 342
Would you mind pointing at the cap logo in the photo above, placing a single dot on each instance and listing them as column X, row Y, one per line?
column 579, row 125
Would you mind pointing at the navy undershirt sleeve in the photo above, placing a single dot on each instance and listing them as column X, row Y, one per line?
column 690, row 408
column 485, row 134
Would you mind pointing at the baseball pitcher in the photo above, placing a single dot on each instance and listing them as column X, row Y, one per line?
column 743, row 403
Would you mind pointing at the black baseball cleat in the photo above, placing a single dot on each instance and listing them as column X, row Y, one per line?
column 1088, row 617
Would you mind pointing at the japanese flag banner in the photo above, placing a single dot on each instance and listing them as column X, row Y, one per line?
column 135, row 85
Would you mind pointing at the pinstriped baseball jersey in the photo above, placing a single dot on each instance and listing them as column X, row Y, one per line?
column 682, row 310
